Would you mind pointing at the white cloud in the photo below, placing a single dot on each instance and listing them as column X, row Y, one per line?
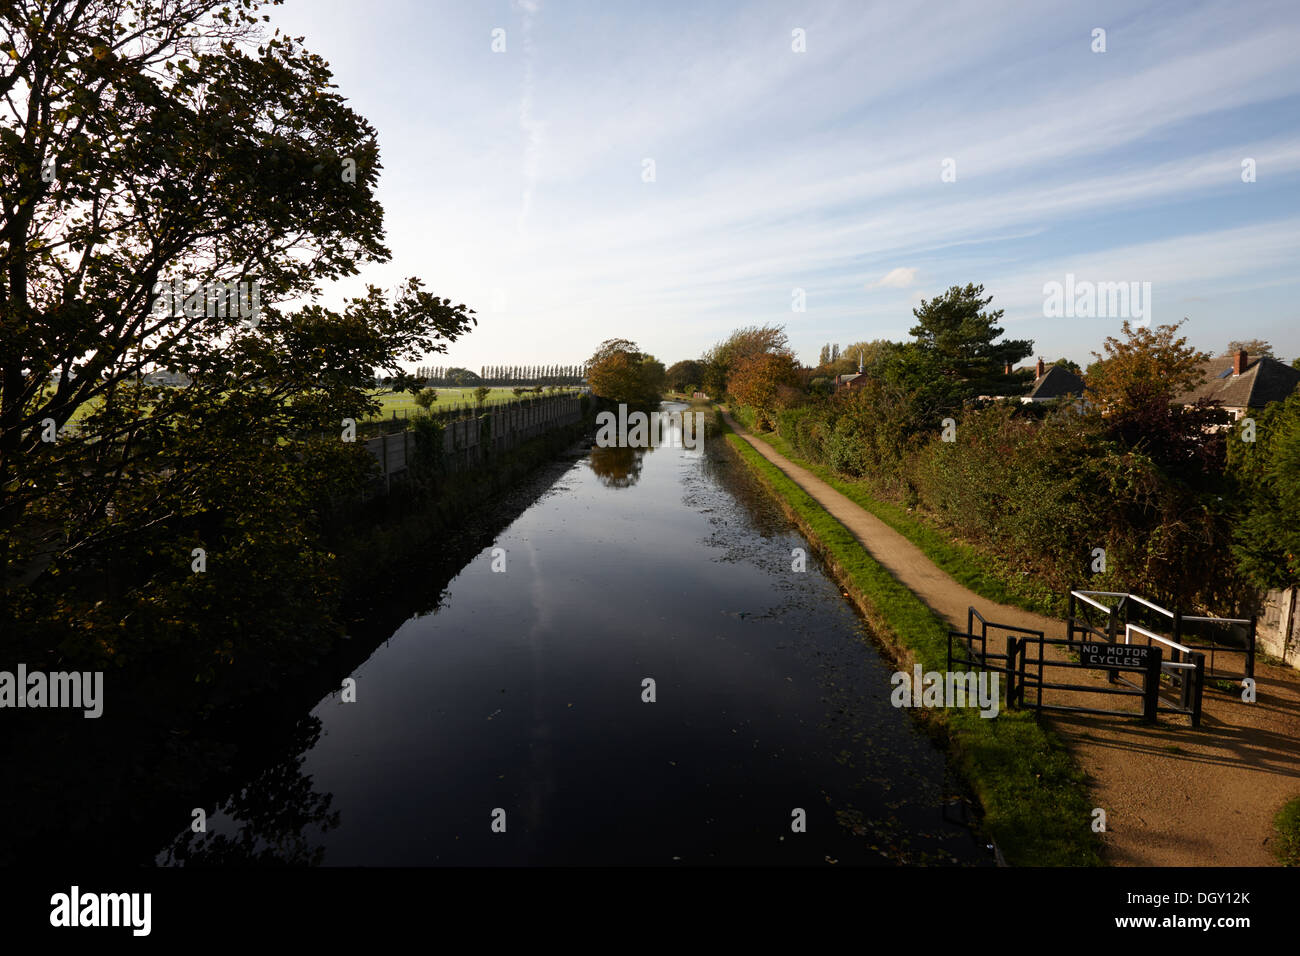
column 899, row 278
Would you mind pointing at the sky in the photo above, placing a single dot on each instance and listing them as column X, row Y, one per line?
column 670, row 172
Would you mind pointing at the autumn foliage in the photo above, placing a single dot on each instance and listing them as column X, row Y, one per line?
column 1126, row 370
column 760, row 381
column 621, row 372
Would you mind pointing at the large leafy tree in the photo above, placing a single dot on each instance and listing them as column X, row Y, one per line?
column 1144, row 365
column 721, row 360
column 959, row 331
column 621, row 372
column 148, row 143
column 683, row 375
column 760, row 380
column 174, row 142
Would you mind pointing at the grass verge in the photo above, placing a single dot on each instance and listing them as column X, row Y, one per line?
column 1035, row 801
column 1287, row 825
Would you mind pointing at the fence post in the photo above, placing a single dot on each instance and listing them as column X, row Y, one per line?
column 1012, row 644
column 1200, row 686
column 1112, row 621
column 1185, row 695
column 1069, row 618
column 1250, row 647
column 1020, row 685
column 1151, row 688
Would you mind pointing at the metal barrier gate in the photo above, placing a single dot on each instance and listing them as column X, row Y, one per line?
column 1133, row 669
column 1188, row 632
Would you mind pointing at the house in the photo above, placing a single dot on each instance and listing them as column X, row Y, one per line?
column 168, row 379
column 851, row 380
column 1051, row 383
column 1240, row 383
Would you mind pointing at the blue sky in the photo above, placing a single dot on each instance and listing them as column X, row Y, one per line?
column 515, row 181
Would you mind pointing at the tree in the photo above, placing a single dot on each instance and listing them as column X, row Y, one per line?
column 720, row 360
column 481, row 393
column 1267, row 472
column 824, row 356
column 461, row 377
column 758, row 381
column 867, row 354
column 958, row 331
column 155, row 158
column 425, row 398
column 1253, row 347
column 903, row 402
column 1146, row 365
column 621, row 372
column 682, row 376
column 1072, row 366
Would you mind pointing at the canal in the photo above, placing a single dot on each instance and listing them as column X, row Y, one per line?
column 510, row 722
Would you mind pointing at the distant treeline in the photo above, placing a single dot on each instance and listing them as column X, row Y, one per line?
column 438, row 376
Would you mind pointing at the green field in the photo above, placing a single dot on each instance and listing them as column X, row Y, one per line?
column 401, row 402
column 404, row 402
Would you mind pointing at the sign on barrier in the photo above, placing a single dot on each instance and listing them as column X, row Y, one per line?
column 1114, row 655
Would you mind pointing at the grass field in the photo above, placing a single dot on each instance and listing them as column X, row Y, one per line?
column 404, row 402
column 401, row 402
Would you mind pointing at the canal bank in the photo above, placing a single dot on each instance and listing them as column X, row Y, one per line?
column 1035, row 799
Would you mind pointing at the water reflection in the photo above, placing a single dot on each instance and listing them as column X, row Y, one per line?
column 617, row 467
column 276, row 820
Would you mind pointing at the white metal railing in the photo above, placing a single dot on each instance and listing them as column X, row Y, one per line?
column 1154, row 607
column 1179, row 665
column 1084, row 597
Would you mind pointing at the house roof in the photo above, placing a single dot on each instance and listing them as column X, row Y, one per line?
column 1264, row 380
column 1057, row 382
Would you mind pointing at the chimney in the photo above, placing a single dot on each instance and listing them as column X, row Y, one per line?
column 1239, row 362
column 1007, row 370
column 1039, row 372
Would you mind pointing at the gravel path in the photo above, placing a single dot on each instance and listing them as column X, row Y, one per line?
column 1173, row 796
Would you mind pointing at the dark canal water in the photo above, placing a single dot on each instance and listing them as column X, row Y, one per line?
column 522, row 692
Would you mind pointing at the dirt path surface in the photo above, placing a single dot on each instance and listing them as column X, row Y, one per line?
column 1173, row 796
